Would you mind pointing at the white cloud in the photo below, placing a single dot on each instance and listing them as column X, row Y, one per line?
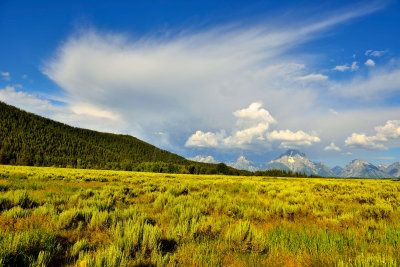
column 332, row 147
column 291, row 139
column 254, row 113
column 253, row 133
column 364, row 142
column 376, row 85
column 312, row 77
column 87, row 117
column 390, row 131
column 354, row 66
column 5, row 75
column 208, row 139
column 341, row 68
column 369, row 63
column 204, row 159
column 247, row 135
column 375, row 53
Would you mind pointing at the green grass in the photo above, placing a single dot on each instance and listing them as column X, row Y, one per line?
column 74, row 217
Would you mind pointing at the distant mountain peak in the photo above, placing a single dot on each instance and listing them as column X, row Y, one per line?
column 294, row 160
column 243, row 164
column 363, row 169
column 292, row 153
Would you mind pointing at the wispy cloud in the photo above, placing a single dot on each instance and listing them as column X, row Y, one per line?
column 341, row 68
column 5, row 75
column 375, row 53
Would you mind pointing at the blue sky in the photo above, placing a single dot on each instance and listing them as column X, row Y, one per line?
column 219, row 78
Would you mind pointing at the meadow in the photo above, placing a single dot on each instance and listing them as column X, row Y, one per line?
column 75, row 217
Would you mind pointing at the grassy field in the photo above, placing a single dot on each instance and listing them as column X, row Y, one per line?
column 72, row 217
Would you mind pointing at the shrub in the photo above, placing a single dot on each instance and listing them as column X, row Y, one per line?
column 23, row 248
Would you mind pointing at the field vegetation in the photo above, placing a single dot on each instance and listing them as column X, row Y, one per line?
column 75, row 217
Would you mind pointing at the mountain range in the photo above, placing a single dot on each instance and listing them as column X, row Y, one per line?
column 29, row 139
column 295, row 161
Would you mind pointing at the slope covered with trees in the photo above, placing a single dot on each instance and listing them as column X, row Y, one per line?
column 29, row 139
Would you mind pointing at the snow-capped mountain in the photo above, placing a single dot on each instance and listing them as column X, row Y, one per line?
column 382, row 167
column 243, row 164
column 394, row 170
column 337, row 170
column 296, row 161
column 363, row 169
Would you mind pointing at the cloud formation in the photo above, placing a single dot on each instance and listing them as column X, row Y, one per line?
column 204, row 159
column 354, row 66
column 5, row 75
column 332, row 147
column 375, row 85
column 390, row 131
column 191, row 78
column 375, row 53
column 254, row 123
column 86, row 116
column 291, row 139
column 341, row 68
column 313, row 77
column 369, row 63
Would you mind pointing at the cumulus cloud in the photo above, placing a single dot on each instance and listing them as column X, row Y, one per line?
column 204, row 159
column 385, row 133
column 354, row 66
column 254, row 123
column 391, row 130
column 332, row 147
column 291, row 139
column 342, row 68
column 364, row 142
column 375, row 53
column 369, row 63
column 208, row 139
column 254, row 113
column 5, row 75
column 313, row 77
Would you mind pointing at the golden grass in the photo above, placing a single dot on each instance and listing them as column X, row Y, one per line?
column 93, row 217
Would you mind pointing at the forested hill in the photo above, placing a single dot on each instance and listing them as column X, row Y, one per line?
column 29, row 139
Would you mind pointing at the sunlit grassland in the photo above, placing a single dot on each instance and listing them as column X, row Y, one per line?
column 73, row 217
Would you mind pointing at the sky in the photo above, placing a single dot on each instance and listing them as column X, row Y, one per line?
column 215, row 80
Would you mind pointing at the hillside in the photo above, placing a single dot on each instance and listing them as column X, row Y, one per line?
column 29, row 139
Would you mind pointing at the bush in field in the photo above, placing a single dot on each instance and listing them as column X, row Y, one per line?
column 16, row 212
column 137, row 235
column 24, row 248
column 79, row 246
column 111, row 256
